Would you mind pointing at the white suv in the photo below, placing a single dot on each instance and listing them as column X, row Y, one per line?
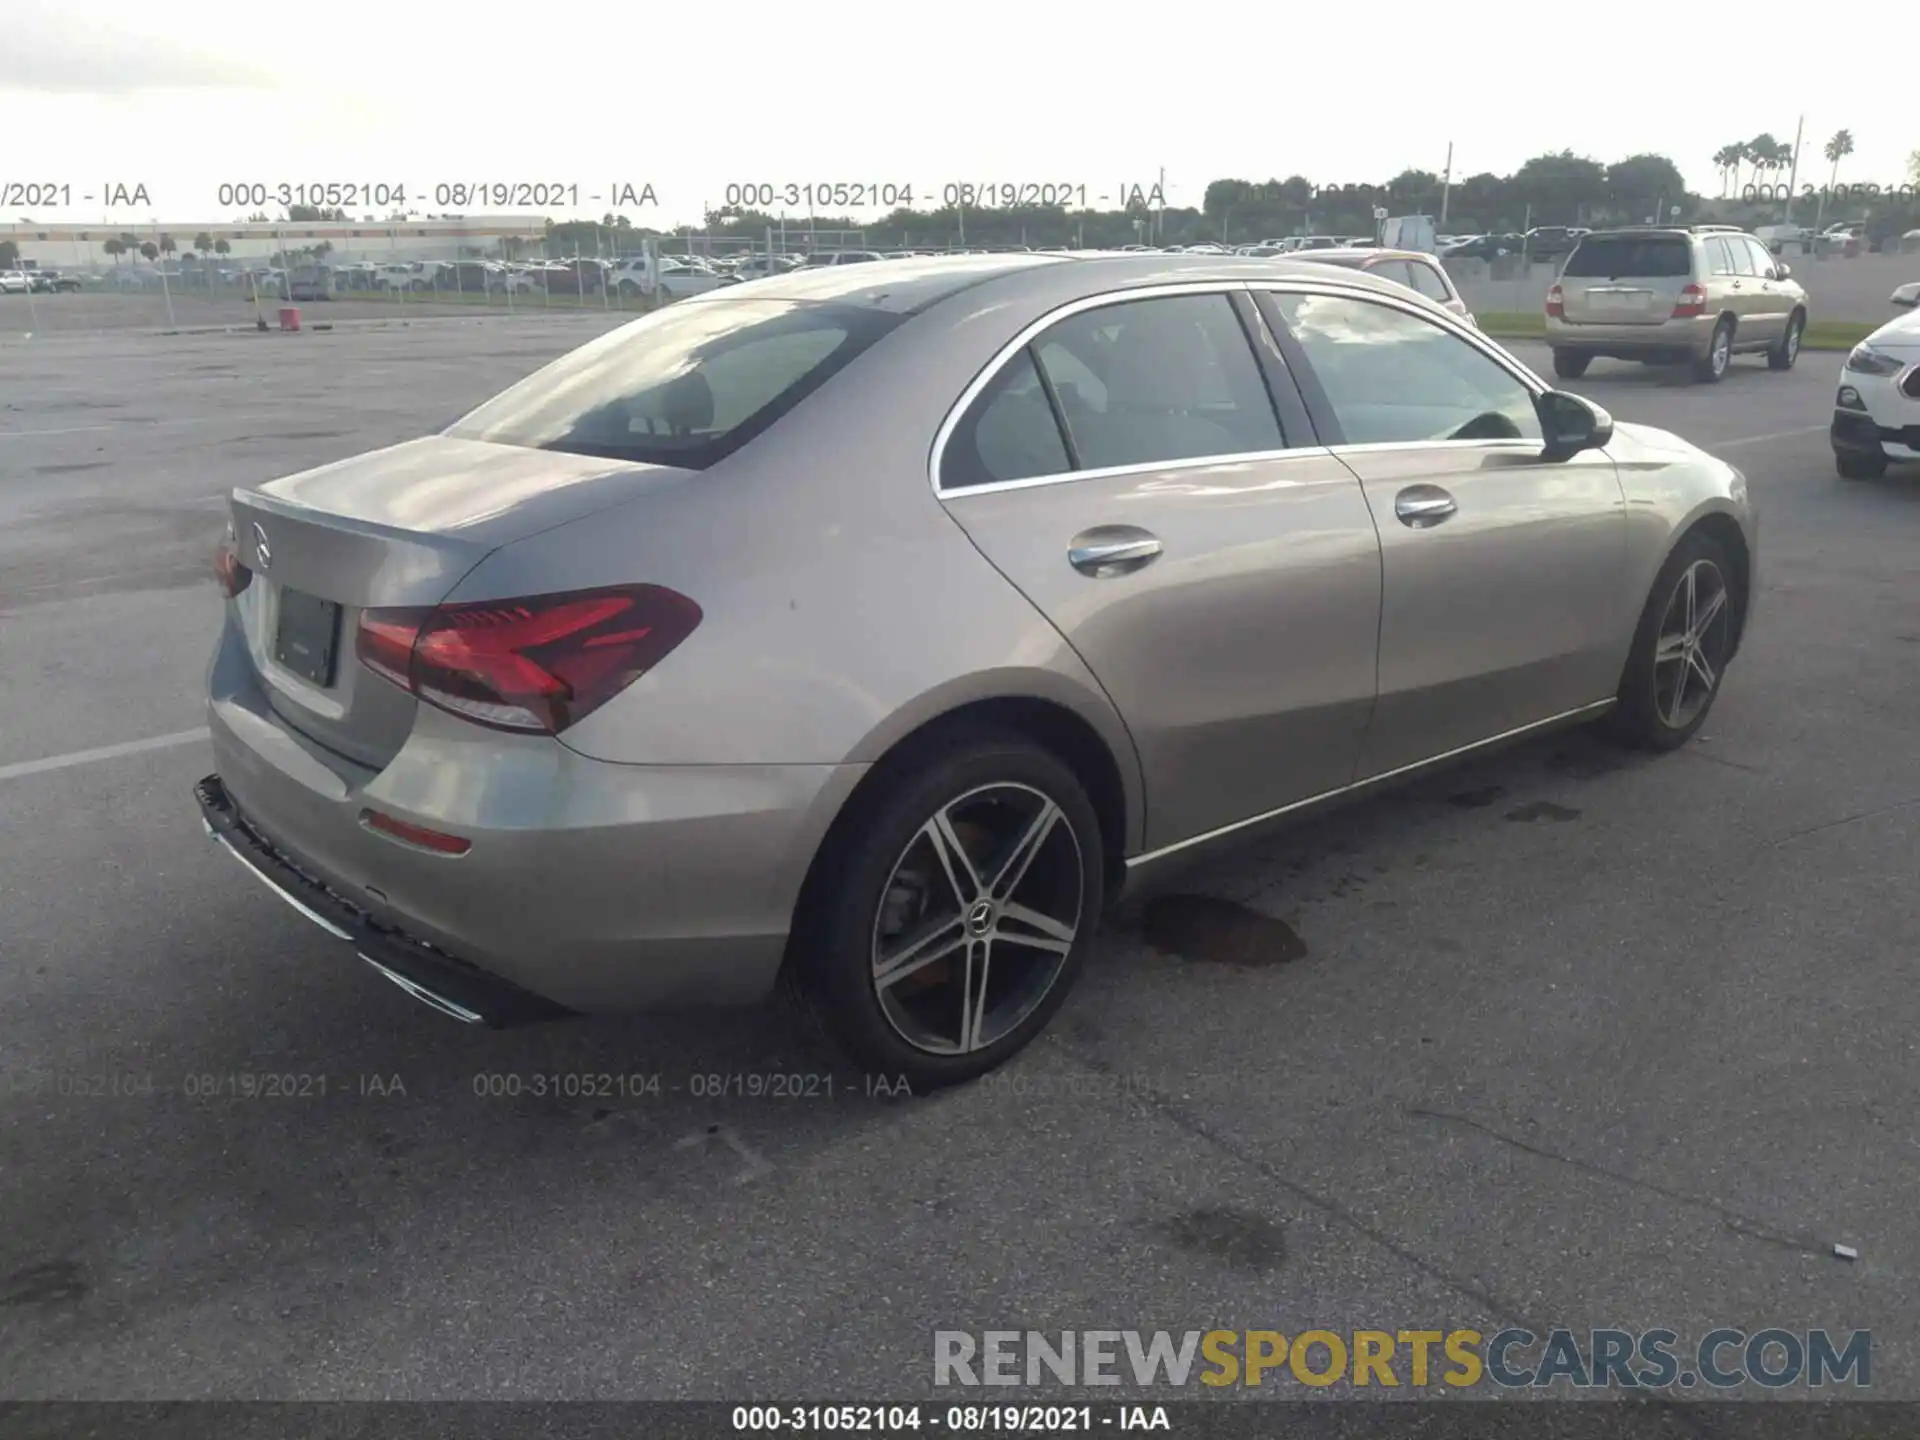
column 1876, row 413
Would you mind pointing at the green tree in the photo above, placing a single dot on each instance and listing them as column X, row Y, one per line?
column 1558, row 187
column 9, row 254
column 166, row 246
column 221, row 247
column 1639, row 184
column 130, row 242
column 150, row 250
column 203, row 242
column 114, row 246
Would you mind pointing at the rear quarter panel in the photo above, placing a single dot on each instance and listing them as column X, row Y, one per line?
column 842, row 607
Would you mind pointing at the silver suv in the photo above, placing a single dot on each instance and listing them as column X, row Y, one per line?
column 1697, row 297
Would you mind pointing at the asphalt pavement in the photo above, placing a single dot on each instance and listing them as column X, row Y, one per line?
column 1563, row 1038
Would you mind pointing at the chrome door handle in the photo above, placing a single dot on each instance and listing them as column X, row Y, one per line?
column 1109, row 550
column 1423, row 506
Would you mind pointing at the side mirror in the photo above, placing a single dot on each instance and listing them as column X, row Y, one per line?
column 1783, row 272
column 1570, row 424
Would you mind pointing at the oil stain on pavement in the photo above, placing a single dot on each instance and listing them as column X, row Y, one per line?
column 1236, row 1238
column 1542, row 810
column 51, row 1282
column 1223, row 932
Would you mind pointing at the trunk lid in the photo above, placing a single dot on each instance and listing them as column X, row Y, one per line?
column 1625, row 279
column 395, row 527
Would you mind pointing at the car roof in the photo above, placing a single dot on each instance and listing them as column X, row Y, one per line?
column 910, row 286
column 1370, row 252
column 1678, row 232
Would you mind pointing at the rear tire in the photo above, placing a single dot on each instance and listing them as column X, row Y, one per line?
column 881, row 901
column 1859, row 467
column 1679, row 643
column 1711, row 367
column 1787, row 349
column 1570, row 364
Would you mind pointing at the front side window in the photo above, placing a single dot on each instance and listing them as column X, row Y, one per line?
column 685, row 386
column 1394, row 377
column 1149, row 381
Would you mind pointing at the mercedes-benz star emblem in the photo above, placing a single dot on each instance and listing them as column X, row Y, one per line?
column 262, row 554
column 980, row 918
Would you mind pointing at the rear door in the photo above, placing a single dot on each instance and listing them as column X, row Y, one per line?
column 1146, row 477
column 1503, row 573
column 1625, row 279
column 1743, row 297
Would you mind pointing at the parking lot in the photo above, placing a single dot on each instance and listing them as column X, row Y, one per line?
column 1565, row 1038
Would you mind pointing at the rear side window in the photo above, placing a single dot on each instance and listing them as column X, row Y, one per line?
column 1145, row 381
column 686, row 386
column 1428, row 281
column 1640, row 257
column 1008, row 433
column 1719, row 256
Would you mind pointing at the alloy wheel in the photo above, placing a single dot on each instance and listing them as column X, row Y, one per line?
column 1695, row 637
column 1722, row 351
column 1793, row 341
column 977, row 919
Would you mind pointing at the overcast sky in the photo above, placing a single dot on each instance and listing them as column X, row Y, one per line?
column 596, row 93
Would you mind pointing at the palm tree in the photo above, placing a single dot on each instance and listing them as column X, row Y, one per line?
column 150, row 250
column 1837, row 149
column 130, row 242
column 1727, row 161
column 221, row 247
column 166, row 245
column 114, row 247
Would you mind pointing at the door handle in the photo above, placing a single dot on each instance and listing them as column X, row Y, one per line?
column 1735, row 285
column 1423, row 506
column 1110, row 550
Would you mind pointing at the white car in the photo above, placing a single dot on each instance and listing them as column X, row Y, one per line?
column 1906, row 297
column 14, row 282
column 1876, row 414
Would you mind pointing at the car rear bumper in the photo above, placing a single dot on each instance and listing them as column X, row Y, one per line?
column 588, row 886
column 1678, row 338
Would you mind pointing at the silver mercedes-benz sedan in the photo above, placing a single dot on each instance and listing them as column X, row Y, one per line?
column 870, row 627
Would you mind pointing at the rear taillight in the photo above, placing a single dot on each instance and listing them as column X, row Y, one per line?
column 227, row 569
column 1692, row 303
column 1557, row 303
column 535, row 665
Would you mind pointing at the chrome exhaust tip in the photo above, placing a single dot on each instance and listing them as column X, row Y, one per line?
column 427, row 997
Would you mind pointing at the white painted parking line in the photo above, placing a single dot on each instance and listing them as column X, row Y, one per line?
column 1763, row 439
column 105, row 752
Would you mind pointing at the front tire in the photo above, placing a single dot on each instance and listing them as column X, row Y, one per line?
column 1787, row 349
column 1680, row 651
column 1711, row 368
column 1859, row 467
column 953, row 912
column 1570, row 364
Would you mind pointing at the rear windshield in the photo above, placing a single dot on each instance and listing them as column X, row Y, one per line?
column 1649, row 257
column 687, row 385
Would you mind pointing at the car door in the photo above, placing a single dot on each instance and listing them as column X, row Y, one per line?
column 1502, row 571
column 1148, row 479
column 1738, row 287
column 1774, row 303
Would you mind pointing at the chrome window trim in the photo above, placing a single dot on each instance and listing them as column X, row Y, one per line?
column 1420, row 308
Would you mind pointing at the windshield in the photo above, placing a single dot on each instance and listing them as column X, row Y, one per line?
column 1653, row 257
column 686, row 386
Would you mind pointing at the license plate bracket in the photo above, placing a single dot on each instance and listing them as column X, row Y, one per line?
column 307, row 638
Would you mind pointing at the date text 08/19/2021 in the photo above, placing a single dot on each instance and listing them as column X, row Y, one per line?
column 951, row 1419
